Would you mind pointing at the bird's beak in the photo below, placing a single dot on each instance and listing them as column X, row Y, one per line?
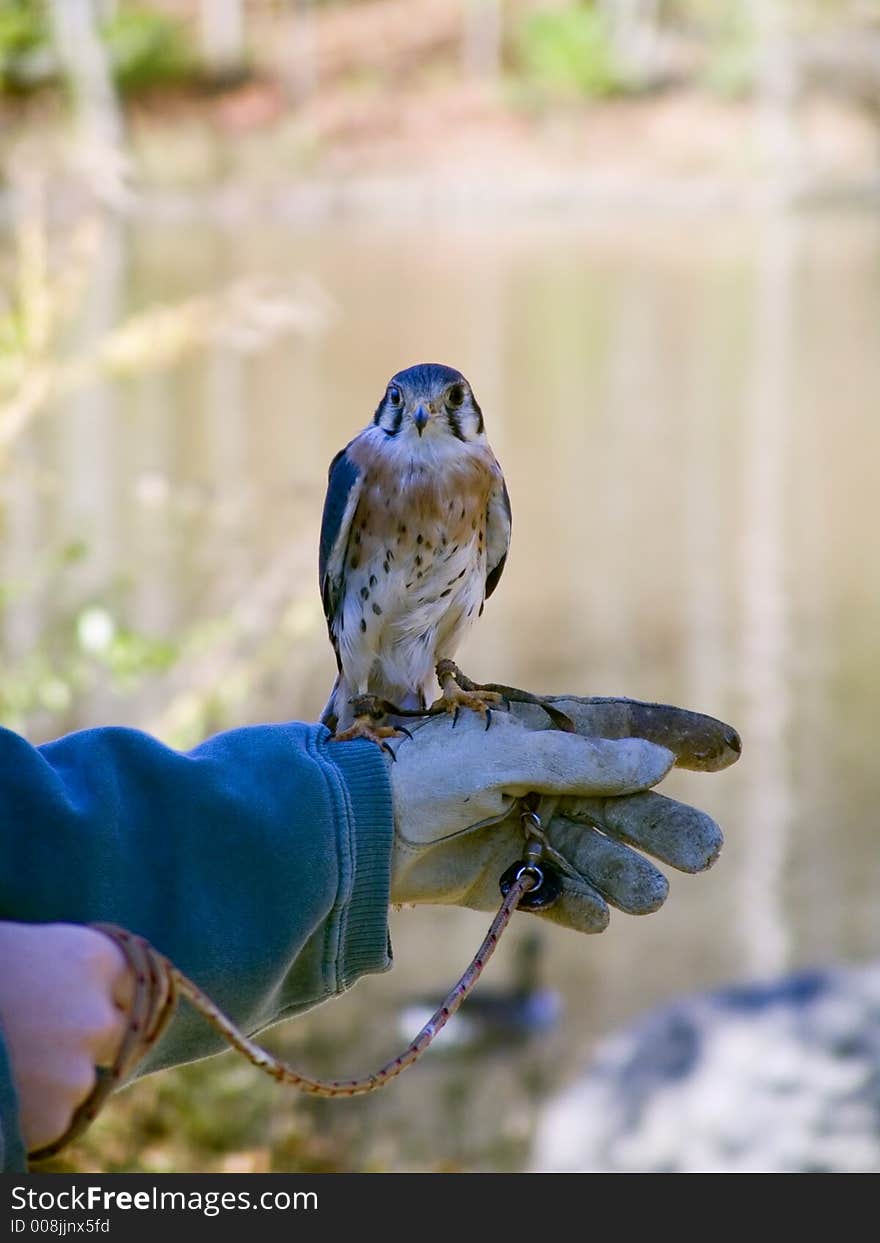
column 420, row 418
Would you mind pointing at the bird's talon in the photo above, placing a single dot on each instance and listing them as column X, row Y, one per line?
column 386, row 747
column 370, row 712
column 401, row 729
column 460, row 692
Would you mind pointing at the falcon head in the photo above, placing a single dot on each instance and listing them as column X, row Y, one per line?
column 428, row 402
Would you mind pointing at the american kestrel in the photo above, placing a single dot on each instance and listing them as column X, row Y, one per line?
column 414, row 537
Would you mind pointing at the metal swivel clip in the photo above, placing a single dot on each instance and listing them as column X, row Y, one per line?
column 547, row 883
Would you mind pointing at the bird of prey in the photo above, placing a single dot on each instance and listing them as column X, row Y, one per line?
column 414, row 538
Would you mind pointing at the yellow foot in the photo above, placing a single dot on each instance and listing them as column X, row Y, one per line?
column 370, row 712
column 460, row 692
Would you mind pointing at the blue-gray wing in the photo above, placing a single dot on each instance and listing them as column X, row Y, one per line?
column 340, row 503
column 498, row 524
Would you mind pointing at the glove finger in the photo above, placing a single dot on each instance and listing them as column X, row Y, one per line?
column 673, row 832
column 625, row 878
column 556, row 763
column 476, row 772
column 579, row 906
column 697, row 741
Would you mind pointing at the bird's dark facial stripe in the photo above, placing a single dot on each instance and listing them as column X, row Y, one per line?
column 481, row 427
column 389, row 416
column 455, row 425
column 393, row 420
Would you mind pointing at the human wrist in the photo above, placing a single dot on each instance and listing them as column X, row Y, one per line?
column 365, row 807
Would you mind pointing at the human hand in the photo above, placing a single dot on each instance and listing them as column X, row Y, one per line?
column 65, row 991
column 455, row 793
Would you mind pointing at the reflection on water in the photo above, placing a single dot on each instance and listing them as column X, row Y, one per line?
column 686, row 415
column 767, row 426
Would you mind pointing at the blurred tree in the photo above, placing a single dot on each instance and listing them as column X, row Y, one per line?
column 222, row 40
column 483, row 33
column 301, row 59
column 634, row 32
column 779, row 148
column 86, row 67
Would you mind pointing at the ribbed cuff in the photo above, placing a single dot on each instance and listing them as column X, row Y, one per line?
column 13, row 1155
column 364, row 946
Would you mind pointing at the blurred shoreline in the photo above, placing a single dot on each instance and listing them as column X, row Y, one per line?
column 403, row 107
column 677, row 155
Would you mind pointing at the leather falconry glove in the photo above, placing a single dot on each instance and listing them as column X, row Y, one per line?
column 456, row 795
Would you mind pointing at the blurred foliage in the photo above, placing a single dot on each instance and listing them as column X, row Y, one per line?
column 43, row 295
column 90, row 640
column 145, row 47
column 87, row 643
column 25, row 58
column 214, row 1116
column 730, row 66
column 570, row 52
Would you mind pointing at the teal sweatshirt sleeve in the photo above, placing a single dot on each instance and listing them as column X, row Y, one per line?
column 13, row 1157
column 259, row 863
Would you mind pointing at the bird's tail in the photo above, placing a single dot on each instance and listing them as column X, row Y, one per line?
column 330, row 715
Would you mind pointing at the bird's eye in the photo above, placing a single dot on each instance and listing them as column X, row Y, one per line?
column 394, row 395
column 455, row 396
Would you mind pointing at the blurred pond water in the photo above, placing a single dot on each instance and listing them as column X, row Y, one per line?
column 686, row 411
